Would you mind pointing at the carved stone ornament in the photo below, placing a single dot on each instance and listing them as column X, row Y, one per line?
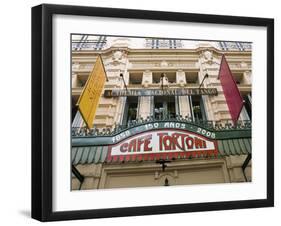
column 244, row 65
column 117, row 55
column 164, row 63
column 208, row 56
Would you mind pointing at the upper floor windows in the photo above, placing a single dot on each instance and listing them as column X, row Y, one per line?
column 241, row 78
column 168, row 77
column 135, row 78
column 87, row 42
column 155, row 43
column 240, row 46
column 165, row 78
column 192, row 77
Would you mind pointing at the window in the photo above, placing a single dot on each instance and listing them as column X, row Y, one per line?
column 192, row 77
column 248, row 105
column 197, row 108
column 164, row 107
column 240, row 46
column 155, row 43
column 135, row 78
column 239, row 78
column 159, row 110
column 80, row 42
column 81, row 81
column 171, row 77
column 74, row 107
column 100, row 42
column 77, row 41
column 131, row 110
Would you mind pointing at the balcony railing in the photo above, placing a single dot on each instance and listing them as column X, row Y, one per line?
column 224, row 125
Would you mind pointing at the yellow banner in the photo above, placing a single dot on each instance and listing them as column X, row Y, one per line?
column 90, row 97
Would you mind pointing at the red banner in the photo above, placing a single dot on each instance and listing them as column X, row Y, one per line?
column 231, row 92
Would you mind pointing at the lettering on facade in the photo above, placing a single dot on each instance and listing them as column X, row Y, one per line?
column 160, row 92
column 162, row 125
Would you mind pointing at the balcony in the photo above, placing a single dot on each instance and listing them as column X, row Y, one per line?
column 216, row 126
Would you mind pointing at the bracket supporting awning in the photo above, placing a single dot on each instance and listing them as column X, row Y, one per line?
column 245, row 164
column 78, row 175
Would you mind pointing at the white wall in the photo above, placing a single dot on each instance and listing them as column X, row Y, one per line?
column 15, row 155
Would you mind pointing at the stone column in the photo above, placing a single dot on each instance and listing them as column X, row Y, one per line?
column 247, row 77
column 215, row 106
column 184, row 106
column 145, row 102
column 209, row 82
column 146, row 78
column 74, row 80
column 122, row 100
column 116, row 64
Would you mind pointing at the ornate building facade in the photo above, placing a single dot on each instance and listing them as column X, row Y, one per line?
column 141, row 101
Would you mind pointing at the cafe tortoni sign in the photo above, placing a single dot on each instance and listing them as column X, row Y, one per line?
column 163, row 143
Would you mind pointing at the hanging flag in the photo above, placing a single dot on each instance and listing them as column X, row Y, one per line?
column 231, row 92
column 90, row 97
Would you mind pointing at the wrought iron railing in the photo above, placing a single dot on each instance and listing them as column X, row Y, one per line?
column 223, row 125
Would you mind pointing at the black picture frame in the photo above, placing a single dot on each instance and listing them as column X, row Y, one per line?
column 42, row 107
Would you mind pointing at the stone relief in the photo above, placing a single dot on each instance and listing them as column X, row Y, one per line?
column 164, row 63
column 208, row 57
column 117, row 55
column 209, row 60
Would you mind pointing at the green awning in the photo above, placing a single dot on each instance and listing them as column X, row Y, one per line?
column 98, row 154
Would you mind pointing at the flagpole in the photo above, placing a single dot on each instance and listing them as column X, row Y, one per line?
column 121, row 75
column 205, row 76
